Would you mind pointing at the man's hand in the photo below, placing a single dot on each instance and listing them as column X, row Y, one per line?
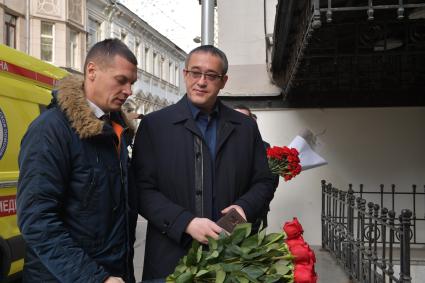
column 238, row 209
column 201, row 228
column 113, row 279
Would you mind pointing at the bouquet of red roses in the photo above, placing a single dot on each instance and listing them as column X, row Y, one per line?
column 244, row 257
column 284, row 161
column 304, row 258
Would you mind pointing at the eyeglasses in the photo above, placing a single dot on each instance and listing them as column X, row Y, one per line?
column 208, row 76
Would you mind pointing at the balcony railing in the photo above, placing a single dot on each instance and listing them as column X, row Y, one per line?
column 368, row 6
column 368, row 240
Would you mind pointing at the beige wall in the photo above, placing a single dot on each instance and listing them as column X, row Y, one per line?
column 244, row 45
column 364, row 145
column 61, row 42
column 18, row 6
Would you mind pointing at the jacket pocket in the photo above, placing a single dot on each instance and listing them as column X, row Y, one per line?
column 91, row 186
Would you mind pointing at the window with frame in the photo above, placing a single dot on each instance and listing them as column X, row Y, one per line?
column 171, row 72
column 147, row 60
column 10, row 30
column 163, row 69
column 47, row 37
column 177, row 77
column 137, row 51
column 93, row 34
column 73, row 49
column 123, row 37
column 155, row 64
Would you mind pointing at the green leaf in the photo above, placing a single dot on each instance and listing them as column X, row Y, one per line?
column 193, row 269
column 185, row 277
column 281, row 267
column 261, row 226
column 240, row 232
column 256, row 253
column 220, row 275
column 201, row 272
column 245, row 227
column 181, row 268
column 253, row 271
column 214, row 254
column 233, row 250
column 271, row 278
column 199, row 254
column 274, row 246
column 242, row 279
column 232, row 267
column 212, row 244
column 250, row 242
column 191, row 257
column 273, row 237
column 261, row 235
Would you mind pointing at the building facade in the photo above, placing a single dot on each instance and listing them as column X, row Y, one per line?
column 61, row 31
column 357, row 142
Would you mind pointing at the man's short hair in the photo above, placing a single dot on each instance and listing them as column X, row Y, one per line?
column 212, row 50
column 103, row 51
column 243, row 107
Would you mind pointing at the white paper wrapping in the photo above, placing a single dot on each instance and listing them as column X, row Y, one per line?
column 308, row 157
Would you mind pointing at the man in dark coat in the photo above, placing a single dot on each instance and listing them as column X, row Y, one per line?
column 72, row 197
column 193, row 162
column 262, row 220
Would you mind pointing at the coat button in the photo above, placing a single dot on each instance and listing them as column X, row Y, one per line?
column 198, row 155
column 163, row 232
column 198, row 192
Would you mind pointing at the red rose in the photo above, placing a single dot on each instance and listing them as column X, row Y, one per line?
column 304, row 273
column 303, row 254
column 296, row 241
column 293, row 229
column 294, row 151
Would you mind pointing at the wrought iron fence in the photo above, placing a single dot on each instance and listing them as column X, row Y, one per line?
column 367, row 239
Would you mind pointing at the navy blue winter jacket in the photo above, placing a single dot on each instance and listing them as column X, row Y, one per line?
column 72, row 195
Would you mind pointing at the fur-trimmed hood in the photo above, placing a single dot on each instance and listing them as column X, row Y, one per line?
column 73, row 102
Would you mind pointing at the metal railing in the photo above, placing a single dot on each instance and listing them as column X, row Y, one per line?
column 368, row 240
column 369, row 6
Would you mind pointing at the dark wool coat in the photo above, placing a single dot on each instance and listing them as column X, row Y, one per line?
column 72, row 194
column 172, row 171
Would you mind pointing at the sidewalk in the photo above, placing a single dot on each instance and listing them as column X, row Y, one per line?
column 327, row 268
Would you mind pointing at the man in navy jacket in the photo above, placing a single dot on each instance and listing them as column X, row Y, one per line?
column 193, row 162
column 72, row 194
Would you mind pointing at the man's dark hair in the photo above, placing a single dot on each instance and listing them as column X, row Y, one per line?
column 212, row 50
column 103, row 52
column 243, row 107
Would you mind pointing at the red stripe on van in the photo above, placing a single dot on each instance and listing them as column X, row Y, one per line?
column 7, row 205
column 20, row 71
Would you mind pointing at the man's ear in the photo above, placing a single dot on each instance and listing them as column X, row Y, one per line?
column 224, row 81
column 91, row 70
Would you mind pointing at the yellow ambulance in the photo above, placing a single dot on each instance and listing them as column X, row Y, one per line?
column 25, row 90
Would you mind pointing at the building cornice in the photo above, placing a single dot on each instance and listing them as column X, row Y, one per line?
column 11, row 11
